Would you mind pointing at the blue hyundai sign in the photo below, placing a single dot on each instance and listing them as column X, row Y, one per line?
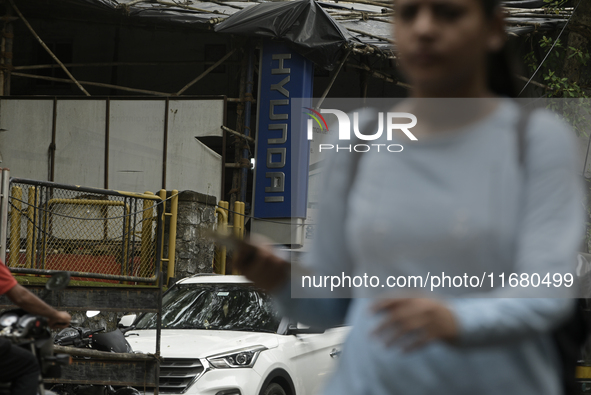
column 282, row 152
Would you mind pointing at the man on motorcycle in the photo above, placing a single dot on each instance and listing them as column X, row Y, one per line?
column 17, row 365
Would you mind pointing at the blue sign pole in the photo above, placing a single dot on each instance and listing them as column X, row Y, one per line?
column 282, row 151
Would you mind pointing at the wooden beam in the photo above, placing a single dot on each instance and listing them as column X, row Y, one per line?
column 108, row 64
column 332, row 80
column 79, row 298
column 122, row 88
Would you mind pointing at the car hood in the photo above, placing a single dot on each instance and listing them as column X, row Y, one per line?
column 197, row 343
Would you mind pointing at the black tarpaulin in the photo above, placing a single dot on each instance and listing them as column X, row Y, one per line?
column 305, row 25
column 302, row 24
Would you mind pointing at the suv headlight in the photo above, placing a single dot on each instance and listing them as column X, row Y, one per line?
column 243, row 358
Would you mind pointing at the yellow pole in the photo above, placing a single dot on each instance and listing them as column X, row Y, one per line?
column 236, row 229
column 162, row 194
column 146, row 253
column 43, row 225
column 174, row 204
column 236, row 224
column 238, row 219
column 242, row 207
column 15, row 226
column 30, row 227
column 126, row 248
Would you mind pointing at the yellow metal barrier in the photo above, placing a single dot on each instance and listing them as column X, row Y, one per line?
column 30, row 251
column 146, row 235
column 15, row 226
column 91, row 202
column 238, row 224
column 583, row 372
column 82, row 230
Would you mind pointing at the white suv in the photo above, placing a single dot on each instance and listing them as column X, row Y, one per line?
column 223, row 336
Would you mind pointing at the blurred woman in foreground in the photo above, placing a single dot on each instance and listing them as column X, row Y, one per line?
column 460, row 197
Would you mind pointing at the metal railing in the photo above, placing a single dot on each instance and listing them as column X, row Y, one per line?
column 90, row 232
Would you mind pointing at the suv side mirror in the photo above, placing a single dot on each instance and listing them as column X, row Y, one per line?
column 294, row 330
column 126, row 321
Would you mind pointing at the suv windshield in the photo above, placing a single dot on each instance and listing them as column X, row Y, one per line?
column 216, row 307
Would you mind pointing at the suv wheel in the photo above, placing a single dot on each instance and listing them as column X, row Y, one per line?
column 273, row 389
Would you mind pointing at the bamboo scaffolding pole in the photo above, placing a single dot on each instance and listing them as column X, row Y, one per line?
column 525, row 23
column 335, row 14
column 332, row 80
column 370, row 35
column 47, row 48
column 371, row 50
column 235, row 133
column 187, row 7
column 565, row 10
column 369, row 2
column 166, row 3
column 379, row 19
column 99, row 84
column 133, row 2
column 109, row 64
column 239, row 100
column 535, row 15
column 2, row 62
column 360, row 18
column 213, row 66
column 226, row 5
column 8, row 38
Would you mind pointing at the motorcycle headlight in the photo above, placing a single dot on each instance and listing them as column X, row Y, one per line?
column 243, row 358
column 8, row 319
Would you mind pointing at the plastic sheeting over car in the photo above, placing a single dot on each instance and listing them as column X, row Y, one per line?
column 303, row 25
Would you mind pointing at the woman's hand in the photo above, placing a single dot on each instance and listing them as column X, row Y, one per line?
column 259, row 264
column 424, row 319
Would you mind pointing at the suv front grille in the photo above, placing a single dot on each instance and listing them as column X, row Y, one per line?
column 177, row 374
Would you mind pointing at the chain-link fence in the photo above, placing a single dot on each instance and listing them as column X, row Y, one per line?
column 94, row 233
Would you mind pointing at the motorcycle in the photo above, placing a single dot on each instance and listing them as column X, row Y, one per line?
column 82, row 337
column 32, row 333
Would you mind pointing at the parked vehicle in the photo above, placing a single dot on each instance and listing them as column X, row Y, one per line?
column 81, row 337
column 32, row 333
column 223, row 336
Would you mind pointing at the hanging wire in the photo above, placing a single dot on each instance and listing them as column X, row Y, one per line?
column 551, row 48
column 151, row 207
column 264, row 219
column 95, row 219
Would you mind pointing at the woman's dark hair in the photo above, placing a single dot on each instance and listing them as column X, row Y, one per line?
column 500, row 65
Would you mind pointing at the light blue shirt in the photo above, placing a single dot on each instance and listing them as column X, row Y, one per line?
column 452, row 202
